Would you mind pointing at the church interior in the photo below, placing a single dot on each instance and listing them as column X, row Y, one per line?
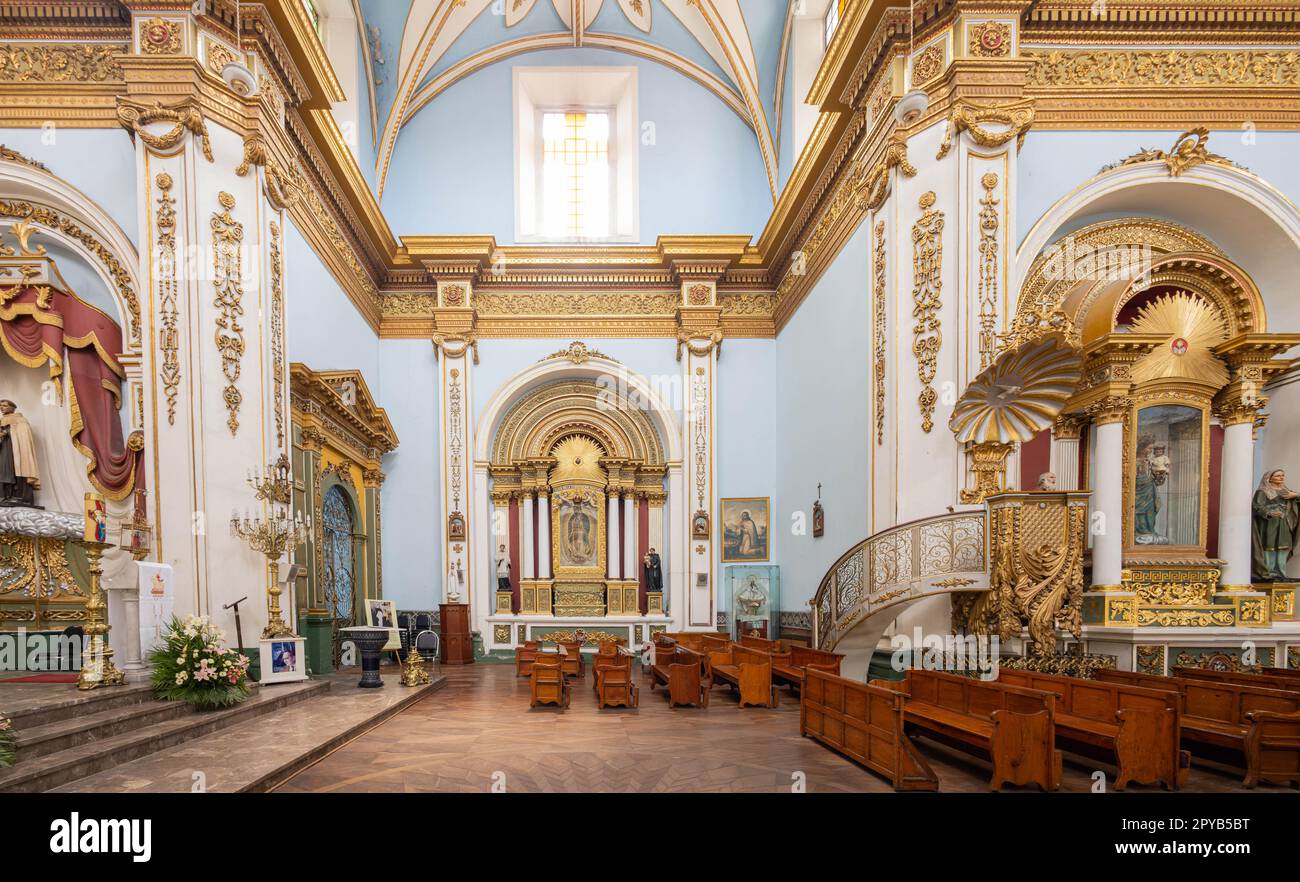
column 631, row 396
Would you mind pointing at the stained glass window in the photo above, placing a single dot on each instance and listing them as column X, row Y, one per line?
column 575, row 175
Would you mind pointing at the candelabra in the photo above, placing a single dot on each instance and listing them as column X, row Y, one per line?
column 272, row 534
column 98, row 668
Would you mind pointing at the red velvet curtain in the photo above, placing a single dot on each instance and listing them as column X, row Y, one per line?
column 40, row 324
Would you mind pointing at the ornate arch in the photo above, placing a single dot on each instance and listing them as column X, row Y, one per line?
column 541, row 419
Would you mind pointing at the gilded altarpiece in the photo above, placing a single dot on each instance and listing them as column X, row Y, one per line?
column 578, row 528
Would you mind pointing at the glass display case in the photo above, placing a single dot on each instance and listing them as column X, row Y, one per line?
column 754, row 601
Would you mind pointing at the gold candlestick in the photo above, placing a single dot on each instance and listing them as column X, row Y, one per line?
column 97, row 666
column 272, row 535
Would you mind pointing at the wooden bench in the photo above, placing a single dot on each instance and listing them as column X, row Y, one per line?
column 1241, row 678
column 1014, row 726
column 801, row 660
column 1139, row 727
column 762, row 644
column 747, row 671
column 524, row 658
column 614, row 684
column 865, row 723
column 547, row 684
column 703, row 642
column 572, row 660
column 1260, row 725
column 680, row 672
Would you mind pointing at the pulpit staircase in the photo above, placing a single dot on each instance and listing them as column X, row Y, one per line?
column 864, row 591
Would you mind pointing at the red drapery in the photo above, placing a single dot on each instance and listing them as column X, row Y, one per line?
column 40, row 324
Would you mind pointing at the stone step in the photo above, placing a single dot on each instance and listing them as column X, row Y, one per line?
column 38, row 708
column 52, row 770
column 97, row 725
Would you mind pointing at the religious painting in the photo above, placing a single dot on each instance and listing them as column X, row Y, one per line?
column 744, row 526
column 578, row 530
column 383, row 614
column 700, row 525
column 1168, row 467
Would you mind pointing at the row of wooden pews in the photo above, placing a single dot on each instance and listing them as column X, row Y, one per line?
column 1141, row 722
column 690, row 664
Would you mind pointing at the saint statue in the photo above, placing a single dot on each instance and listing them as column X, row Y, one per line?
column 1146, row 504
column 503, row 569
column 654, row 574
column 19, row 476
column 1275, row 527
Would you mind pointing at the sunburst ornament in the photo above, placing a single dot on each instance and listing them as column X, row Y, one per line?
column 1194, row 328
column 1019, row 395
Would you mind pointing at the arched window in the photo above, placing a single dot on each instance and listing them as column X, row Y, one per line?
column 340, row 583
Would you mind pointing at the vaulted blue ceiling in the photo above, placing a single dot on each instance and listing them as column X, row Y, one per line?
column 420, row 48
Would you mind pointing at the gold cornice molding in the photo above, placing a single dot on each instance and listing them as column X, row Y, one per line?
column 343, row 399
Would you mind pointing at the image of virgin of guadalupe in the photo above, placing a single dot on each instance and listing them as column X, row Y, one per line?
column 1146, row 503
column 580, row 537
column 1275, row 527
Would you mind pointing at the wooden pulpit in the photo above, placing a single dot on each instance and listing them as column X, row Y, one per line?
column 455, row 643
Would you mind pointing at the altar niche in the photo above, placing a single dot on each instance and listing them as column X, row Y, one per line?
column 578, row 502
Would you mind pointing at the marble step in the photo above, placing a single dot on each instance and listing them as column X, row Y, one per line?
column 39, row 707
column 52, row 770
column 95, row 725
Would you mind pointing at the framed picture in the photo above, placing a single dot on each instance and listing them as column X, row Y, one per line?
column 744, row 528
column 383, row 614
column 283, row 660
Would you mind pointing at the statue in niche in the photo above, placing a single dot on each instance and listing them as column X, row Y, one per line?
column 19, row 475
column 503, row 569
column 1148, row 475
column 1275, row 527
column 654, row 574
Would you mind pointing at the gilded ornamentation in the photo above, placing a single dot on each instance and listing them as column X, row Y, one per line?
column 284, row 186
column 227, row 264
column 989, row 466
column 219, row 55
column 583, row 636
column 578, row 353
column 185, row 118
column 988, row 281
column 1220, row 617
column 456, row 345
column 1151, row 660
column 874, row 187
column 879, row 321
column 1018, row 395
column 1193, row 328
column 455, row 454
column 927, row 258
column 564, row 304
column 1066, row 665
column 453, row 295
column 1154, row 68
column 1172, row 586
column 60, row 63
column 928, row 64
column 160, row 36
column 277, row 333
column 1188, row 151
column 990, row 39
column 52, row 219
column 972, row 118
column 699, row 417
column 12, row 155
column 169, row 339
column 699, row 295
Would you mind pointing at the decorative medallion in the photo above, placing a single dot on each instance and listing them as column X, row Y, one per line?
column 578, row 353
column 227, row 242
column 1188, row 151
column 928, row 65
column 453, row 295
column 990, row 39
column 927, row 259
column 159, row 36
column 699, row 295
column 169, row 341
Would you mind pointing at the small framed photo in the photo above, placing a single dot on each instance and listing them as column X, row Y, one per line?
column 283, row 660
column 383, row 614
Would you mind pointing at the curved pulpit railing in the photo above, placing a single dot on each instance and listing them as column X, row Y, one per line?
column 932, row 556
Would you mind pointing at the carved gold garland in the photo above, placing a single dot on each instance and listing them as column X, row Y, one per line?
column 277, row 333
column 927, row 336
column 284, row 187
column 227, row 240
column 875, row 188
column 184, row 116
column 970, row 117
column 1188, row 151
column 880, row 328
column 1157, row 68
column 60, row 63
column 988, row 277
column 169, row 341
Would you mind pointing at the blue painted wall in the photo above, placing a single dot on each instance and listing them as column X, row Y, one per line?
column 98, row 162
column 821, row 407
column 453, row 167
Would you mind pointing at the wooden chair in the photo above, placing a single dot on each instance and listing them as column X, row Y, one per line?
column 605, row 652
column 572, row 663
column 547, row 684
column 614, row 684
column 524, row 658
column 680, row 670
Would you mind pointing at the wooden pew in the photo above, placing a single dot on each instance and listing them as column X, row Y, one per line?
column 762, row 644
column 680, row 672
column 1014, row 726
column 1289, row 673
column 1138, row 726
column 801, row 659
column 703, row 642
column 746, row 671
column 547, row 684
column 524, row 658
column 571, row 662
column 865, row 723
column 614, row 684
column 1241, row 678
column 1260, row 725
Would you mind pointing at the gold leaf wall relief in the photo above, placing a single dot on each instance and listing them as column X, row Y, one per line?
column 169, row 341
column 988, row 279
column 277, row 332
column 879, row 328
column 927, row 336
column 227, row 264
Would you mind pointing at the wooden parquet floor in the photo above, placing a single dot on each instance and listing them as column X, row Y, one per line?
column 478, row 733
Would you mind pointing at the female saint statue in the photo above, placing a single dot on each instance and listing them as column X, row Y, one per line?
column 1146, row 504
column 1275, row 527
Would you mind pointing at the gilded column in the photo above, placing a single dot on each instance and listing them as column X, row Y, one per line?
column 1108, row 416
column 699, row 342
column 457, row 348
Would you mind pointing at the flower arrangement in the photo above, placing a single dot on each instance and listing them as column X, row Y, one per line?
column 194, row 665
column 7, row 751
